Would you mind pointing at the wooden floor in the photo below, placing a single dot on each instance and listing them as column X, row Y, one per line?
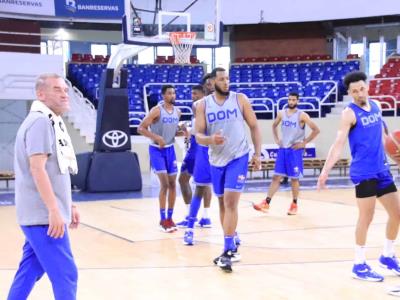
column 121, row 254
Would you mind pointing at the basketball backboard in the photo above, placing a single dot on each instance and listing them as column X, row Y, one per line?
column 149, row 22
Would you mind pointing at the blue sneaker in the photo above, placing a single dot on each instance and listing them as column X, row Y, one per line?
column 183, row 224
column 188, row 238
column 238, row 241
column 205, row 223
column 364, row 272
column 390, row 263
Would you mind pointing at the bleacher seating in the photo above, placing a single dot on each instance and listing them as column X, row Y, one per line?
column 385, row 87
column 151, row 77
column 171, row 59
column 319, row 84
column 268, row 84
column 88, row 58
column 283, row 58
column 352, row 56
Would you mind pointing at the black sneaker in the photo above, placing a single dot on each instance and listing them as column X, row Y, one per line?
column 235, row 255
column 224, row 261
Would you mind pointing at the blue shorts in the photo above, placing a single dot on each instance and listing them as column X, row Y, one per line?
column 231, row 177
column 163, row 160
column 289, row 162
column 188, row 161
column 383, row 179
column 202, row 168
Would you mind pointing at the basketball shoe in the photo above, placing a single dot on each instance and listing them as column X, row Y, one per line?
column 364, row 272
column 205, row 223
column 390, row 263
column 263, row 206
column 171, row 225
column 183, row 224
column 238, row 241
column 292, row 209
column 188, row 238
column 234, row 256
column 224, row 261
column 164, row 226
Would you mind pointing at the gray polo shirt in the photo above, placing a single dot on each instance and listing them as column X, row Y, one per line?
column 36, row 136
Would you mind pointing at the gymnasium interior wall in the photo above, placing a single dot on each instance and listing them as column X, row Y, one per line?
column 24, row 26
column 263, row 40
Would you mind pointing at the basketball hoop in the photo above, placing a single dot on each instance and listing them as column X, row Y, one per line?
column 182, row 43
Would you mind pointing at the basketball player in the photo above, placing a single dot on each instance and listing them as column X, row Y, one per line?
column 202, row 179
column 207, row 84
column 361, row 122
column 44, row 157
column 188, row 166
column 289, row 162
column 222, row 115
column 163, row 122
column 205, row 220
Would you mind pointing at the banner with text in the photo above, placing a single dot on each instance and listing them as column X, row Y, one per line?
column 89, row 9
column 29, row 7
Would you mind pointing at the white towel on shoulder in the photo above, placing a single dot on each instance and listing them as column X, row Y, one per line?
column 65, row 151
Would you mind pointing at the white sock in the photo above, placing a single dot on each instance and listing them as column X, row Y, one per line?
column 205, row 212
column 188, row 209
column 388, row 248
column 359, row 254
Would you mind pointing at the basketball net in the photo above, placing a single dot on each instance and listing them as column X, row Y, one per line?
column 182, row 43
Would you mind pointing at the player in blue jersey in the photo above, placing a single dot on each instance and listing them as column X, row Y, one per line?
column 220, row 124
column 202, row 179
column 161, row 126
column 291, row 148
column 361, row 123
column 188, row 167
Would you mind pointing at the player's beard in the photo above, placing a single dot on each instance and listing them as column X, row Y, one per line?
column 220, row 91
column 292, row 106
column 362, row 101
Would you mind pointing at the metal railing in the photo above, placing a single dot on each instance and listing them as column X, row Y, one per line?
column 265, row 83
column 82, row 113
column 145, row 94
column 386, row 106
column 384, row 79
column 322, row 102
column 334, row 90
column 312, row 109
column 265, row 108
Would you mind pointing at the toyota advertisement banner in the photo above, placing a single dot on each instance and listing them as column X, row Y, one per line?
column 30, row 7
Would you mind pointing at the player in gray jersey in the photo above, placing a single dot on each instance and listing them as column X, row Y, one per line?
column 291, row 148
column 161, row 126
column 220, row 123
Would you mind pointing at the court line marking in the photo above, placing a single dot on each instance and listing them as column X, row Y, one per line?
column 107, row 232
column 211, row 265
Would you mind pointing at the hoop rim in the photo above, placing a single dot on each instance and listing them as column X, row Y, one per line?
column 176, row 36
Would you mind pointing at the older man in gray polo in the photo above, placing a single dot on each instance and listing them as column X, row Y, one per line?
column 44, row 157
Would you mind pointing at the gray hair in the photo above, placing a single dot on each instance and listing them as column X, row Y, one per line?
column 41, row 80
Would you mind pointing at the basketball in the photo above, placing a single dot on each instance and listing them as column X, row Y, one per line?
column 392, row 142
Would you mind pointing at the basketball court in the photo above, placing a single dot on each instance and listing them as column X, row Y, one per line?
column 121, row 253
